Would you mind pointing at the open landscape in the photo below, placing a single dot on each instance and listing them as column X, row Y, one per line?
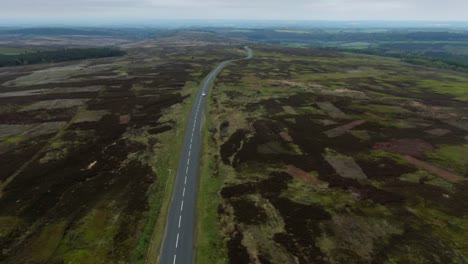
column 85, row 161
column 318, row 156
column 153, row 131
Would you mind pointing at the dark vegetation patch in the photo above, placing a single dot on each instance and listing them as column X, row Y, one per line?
column 238, row 190
column 224, row 129
column 438, row 59
column 13, row 159
column 301, row 226
column 58, row 31
column 432, row 195
column 443, row 50
column 232, row 145
column 94, row 166
column 160, row 129
column 418, row 241
column 265, row 145
column 58, row 56
column 383, row 168
column 38, row 116
column 365, row 191
column 247, row 212
column 236, row 251
column 23, row 100
column 294, row 52
column 309, row 136
column 413, row 147
column 301, row 221
column 392, row 192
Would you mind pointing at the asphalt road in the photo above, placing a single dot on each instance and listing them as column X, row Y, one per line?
column 179, row 235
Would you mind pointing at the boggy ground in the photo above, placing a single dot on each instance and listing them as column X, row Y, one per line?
column 82, row 147
column 324, row 157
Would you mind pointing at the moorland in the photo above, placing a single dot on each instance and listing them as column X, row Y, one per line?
column 328, row 146
column 318, row 156
column 88, row 147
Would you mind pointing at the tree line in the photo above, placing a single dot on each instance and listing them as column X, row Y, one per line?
column 58, row 56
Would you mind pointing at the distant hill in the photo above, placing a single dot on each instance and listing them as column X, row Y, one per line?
column 134, row 33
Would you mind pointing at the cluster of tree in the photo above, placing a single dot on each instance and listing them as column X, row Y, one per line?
column 58, row 56
column 439, row 63
column 131, row 33
column 274, row 36
column 437, row 59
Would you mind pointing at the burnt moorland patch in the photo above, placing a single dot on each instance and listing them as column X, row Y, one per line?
column 84, row 145
column 347, row 159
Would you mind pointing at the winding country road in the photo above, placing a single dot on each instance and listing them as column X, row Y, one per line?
column 179, row 235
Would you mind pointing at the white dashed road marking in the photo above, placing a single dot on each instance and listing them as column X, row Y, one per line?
column 200, row 100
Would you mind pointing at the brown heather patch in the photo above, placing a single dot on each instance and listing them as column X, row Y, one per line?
column 437, row 171
column 406, row 146
column 304, row 176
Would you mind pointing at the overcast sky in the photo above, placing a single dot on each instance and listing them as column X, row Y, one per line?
column 239, row 9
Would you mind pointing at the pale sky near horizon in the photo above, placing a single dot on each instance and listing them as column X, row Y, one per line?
column 448, row 10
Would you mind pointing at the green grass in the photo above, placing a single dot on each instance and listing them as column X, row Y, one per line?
column 97, row 225
column 428, row 178
column 47, row 242
column 451, row 157
column 91, row 238
column 378, row 154
column 165, row 166
column 447, row 227
column 8, row 224
column 211, row 248
column 303, row 193
column 13, row 139
column 375, row 222
column 79, row 256
column 458, row 89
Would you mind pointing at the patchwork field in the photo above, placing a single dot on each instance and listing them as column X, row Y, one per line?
column 89, row 148
column 323, row 157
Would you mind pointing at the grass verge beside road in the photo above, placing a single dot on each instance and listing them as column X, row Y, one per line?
column 165, row 165
column 209, row 246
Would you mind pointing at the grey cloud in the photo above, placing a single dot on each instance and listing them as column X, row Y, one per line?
column 241, row 9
